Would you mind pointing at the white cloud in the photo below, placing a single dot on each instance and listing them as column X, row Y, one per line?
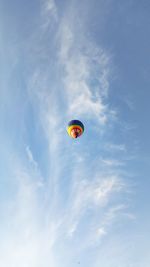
column 49, row 12
column 84, row 79
column 112, row 162
column 110, row 215
column 101, row 232
column 86, row 74
column 92, row 196
column 115, row 147
column 30, row 157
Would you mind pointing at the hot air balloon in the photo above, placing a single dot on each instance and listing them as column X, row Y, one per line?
column 75, row 128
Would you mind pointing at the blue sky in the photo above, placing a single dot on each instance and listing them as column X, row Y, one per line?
column 81, row 202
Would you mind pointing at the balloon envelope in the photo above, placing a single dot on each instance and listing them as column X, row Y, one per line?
column 75, row 128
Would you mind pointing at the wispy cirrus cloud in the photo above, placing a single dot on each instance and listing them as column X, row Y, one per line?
column 30, row 157
column 49, row 13
column 89, row 197
column 86, row 73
